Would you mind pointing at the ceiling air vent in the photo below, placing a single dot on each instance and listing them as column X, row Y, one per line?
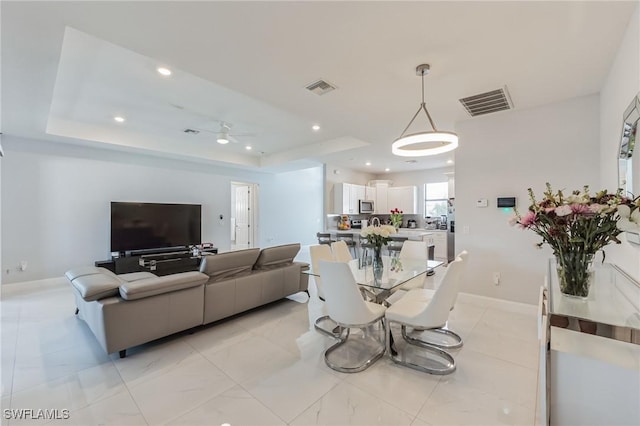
column 191, row 131
column 486, row 103
column 320, row 87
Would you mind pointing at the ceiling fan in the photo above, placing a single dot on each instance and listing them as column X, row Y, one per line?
column 224, row 135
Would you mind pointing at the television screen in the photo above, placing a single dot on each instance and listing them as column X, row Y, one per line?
column 140, row 226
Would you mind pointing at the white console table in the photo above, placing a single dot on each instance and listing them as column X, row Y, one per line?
column 590, row 352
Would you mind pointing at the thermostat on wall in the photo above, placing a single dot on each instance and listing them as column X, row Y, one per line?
column 506, row 202
column 483, row 202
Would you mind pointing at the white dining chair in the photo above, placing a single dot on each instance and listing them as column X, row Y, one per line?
column 349, row 310
column 453, row 340
column 341, row 252
column 318, row 253
column 414, row 250
column 421, row 315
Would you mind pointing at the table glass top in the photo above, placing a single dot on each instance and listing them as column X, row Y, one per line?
column 395, row 273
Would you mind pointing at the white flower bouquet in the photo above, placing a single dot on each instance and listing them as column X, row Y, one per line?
column 378, row 235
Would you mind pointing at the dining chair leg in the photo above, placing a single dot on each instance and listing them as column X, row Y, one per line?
column 335, row 332
column 456, row 339
column 445, row 365
column 365, row 364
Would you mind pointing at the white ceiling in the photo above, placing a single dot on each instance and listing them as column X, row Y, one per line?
column 69, row 67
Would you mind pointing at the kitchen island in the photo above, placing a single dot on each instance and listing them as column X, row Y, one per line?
column 433, row 237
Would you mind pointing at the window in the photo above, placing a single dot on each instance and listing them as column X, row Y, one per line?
column 436, row 197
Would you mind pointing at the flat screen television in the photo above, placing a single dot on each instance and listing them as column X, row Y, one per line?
column 143, row 226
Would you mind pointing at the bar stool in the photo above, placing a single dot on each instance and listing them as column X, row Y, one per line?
column 349, row 241
column 395, row 245
column 365, row 245
column 324, row 238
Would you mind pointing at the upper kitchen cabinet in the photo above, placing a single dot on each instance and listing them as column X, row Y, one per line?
column 404, row 198
column 346, row 197
column 379, row 189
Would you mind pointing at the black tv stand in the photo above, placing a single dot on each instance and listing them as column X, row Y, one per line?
column 157, row 261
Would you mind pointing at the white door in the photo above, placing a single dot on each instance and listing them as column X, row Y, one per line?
column 241, row 235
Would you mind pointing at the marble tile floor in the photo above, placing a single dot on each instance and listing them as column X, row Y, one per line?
column 264, row 367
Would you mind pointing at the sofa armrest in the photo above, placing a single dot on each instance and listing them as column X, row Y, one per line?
column 152, row 286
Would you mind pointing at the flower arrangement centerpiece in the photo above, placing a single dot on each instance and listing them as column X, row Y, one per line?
column 576, row 227
column 396, row 218
column 378, row 235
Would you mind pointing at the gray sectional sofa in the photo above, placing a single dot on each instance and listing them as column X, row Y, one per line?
column 131, row 309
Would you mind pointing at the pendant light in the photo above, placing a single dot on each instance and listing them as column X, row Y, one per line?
column 424, row 143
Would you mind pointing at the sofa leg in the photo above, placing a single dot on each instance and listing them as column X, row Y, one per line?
column 77, row 310
column 123, row 353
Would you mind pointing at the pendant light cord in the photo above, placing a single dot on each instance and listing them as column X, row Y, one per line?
column 422, row 107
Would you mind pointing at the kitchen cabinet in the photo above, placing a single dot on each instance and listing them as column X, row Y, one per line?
column 381, row 205
column 404, row 198
column 346, row 197
column 371, row 195
column 439, row 240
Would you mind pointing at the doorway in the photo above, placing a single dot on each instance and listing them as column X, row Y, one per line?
column 243, row 215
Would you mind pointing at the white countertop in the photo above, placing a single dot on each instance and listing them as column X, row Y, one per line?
column 412, row 233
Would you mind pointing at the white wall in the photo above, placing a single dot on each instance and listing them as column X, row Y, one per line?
column 291, row 206
column 55, row 202
column 502, row 155
column 621, row 85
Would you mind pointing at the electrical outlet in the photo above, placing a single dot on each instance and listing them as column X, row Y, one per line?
column 496, row 278
column 465, row 229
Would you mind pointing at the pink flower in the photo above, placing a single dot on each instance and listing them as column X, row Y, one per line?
column 563, row 210
column 596, row 208
column 580, row 209
column 528, row 219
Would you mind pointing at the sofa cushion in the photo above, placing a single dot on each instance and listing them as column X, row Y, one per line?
column 74, row 273
column 275, row 257
column 230, row 264
column 96, row 286
column 135, row 276
column 152, row 286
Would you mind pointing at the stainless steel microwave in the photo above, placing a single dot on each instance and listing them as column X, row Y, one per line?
column 366, row 206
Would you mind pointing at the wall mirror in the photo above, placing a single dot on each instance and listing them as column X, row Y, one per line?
column 628, row 163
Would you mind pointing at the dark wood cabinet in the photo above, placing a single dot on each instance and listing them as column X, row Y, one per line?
column 159, row 264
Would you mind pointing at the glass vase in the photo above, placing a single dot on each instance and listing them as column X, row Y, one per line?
column 378, row 266
column 575, row 273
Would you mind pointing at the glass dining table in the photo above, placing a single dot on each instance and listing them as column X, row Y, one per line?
column 395, row 273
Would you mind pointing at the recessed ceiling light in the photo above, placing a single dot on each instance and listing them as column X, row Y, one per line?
column 387, row 169
column 449, row 161
column 248, row 148
column 164, row 71
column 119, row 119
column 315, row 127
column 368, row 163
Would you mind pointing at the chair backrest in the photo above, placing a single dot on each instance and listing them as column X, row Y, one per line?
column 414, row 250
column 318, row 253
column 345, row 304
column 436, row 311
column 464, row 255
column 341, row 251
